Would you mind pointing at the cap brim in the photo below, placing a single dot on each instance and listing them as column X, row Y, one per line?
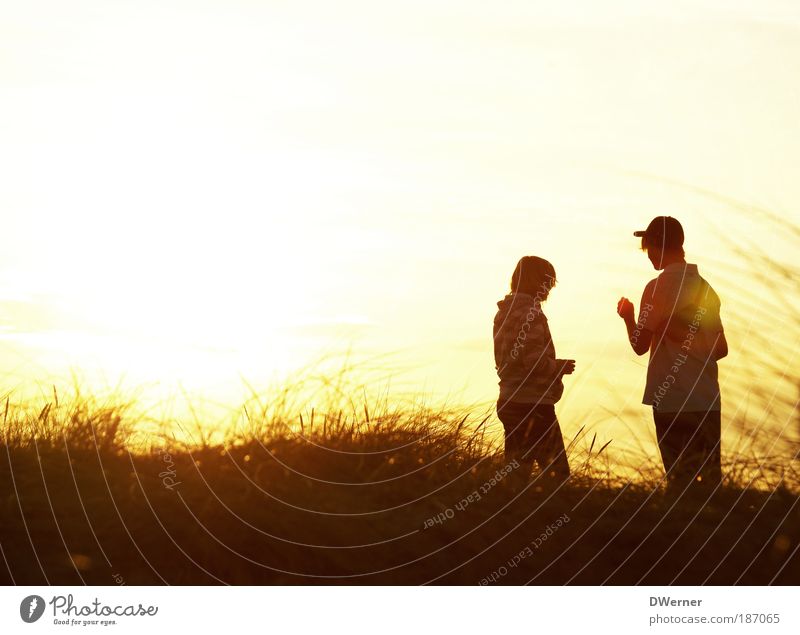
column 640, row 234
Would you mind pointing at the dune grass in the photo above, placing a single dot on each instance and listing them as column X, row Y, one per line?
column 370, row 493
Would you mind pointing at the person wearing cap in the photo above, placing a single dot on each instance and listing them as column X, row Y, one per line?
column 679, row 324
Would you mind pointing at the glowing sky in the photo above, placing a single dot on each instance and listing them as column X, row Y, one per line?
column 193, row 190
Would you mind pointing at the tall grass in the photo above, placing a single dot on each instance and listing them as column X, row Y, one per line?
column 350, row 492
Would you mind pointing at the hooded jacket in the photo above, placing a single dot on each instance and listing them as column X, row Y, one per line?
column 524, row 355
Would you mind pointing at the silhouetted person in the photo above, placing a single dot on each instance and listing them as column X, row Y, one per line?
column 530, row 375
column 679, row 323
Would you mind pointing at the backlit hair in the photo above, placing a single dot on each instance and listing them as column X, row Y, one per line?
column 533, row 275
column 645, row 246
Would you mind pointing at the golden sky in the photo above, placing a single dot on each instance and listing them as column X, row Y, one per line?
column 197, row 190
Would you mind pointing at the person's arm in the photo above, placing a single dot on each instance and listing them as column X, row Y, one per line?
column 639, row 337
column 535, row 359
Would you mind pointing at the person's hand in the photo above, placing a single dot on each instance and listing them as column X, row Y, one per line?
column 568, row 366
column 625, row 309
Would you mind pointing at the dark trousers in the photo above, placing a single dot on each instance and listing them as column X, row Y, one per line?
column 690, row 446
column 532, row 433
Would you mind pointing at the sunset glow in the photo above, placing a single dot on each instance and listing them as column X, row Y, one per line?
column 200, row 192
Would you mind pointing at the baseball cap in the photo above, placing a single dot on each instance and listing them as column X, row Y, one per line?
column 663, row 231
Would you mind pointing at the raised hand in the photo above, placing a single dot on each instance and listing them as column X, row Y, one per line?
column 625, row 309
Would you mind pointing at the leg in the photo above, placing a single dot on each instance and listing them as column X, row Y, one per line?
column 703, row 451
column 516, row 418
column 670, row 433
column 548, row 447
column 690, row 446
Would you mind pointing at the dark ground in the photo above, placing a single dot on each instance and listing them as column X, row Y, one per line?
column 172, row 519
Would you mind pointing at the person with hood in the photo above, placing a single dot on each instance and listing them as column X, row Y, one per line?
column 530, row 374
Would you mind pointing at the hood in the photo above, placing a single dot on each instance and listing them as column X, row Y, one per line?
column 516, row 301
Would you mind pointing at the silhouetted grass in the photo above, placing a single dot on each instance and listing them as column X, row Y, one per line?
column 341, row 495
